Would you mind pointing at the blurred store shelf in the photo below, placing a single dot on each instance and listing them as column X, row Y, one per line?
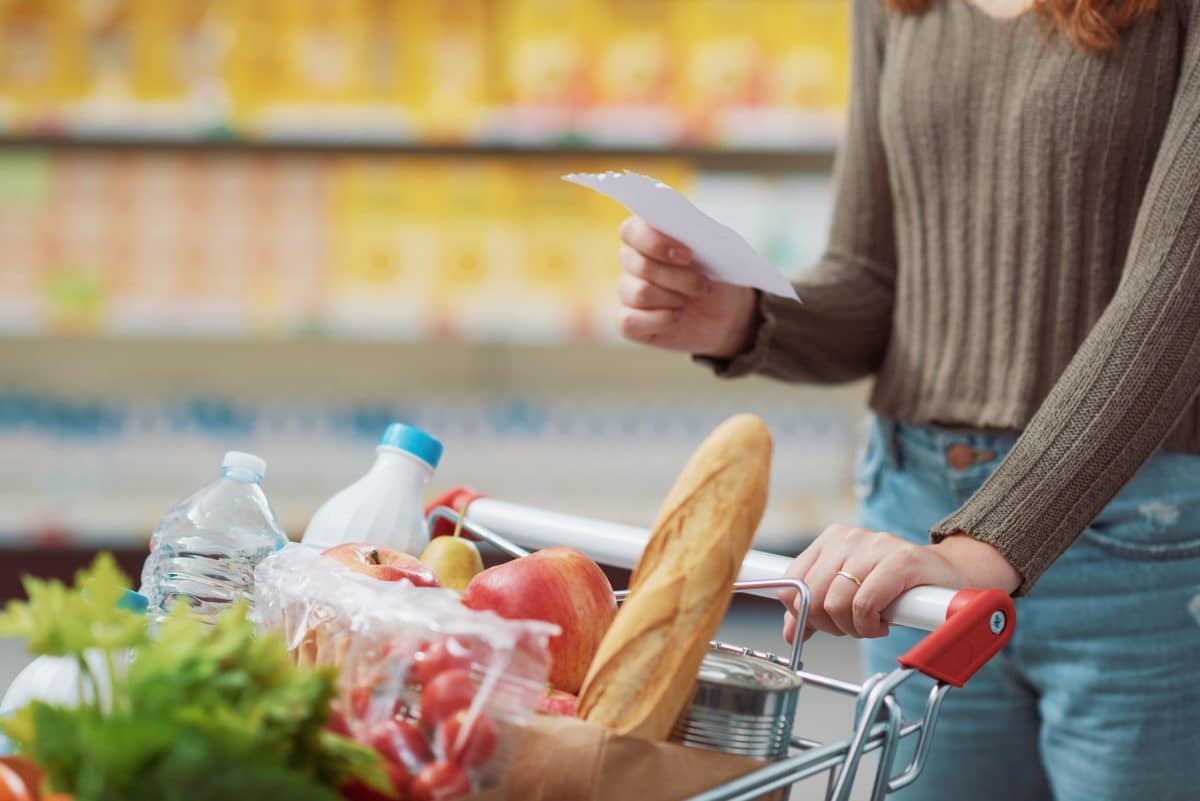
column 396, row 247
column 276, row 226
column 794, row 155
column 665, row 72
column 100, row 437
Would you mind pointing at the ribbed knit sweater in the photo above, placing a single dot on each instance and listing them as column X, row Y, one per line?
column 1015, row 245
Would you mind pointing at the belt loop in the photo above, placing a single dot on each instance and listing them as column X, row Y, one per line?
column 890, row 431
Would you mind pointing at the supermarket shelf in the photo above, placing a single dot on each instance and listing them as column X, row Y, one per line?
column 803, row 157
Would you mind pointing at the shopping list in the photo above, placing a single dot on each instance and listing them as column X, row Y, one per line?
column 720, row 252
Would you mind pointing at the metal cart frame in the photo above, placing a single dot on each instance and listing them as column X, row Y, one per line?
column 975, row 630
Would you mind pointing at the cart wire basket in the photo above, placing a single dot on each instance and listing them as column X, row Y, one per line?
column 967, row 628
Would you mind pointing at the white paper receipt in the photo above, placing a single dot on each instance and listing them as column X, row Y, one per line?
column 720, row 252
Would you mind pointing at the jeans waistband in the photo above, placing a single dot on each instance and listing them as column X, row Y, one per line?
column 906, row 441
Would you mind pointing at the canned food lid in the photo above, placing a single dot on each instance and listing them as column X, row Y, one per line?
column 741, row 670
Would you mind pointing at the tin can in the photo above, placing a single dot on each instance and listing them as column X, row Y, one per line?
column 743, row 705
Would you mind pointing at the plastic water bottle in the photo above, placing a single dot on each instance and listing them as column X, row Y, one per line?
column 384, row 507
column 206, row 548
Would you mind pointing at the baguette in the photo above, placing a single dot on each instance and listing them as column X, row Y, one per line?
column 644, row 671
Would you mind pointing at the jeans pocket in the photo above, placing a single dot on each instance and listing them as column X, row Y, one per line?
column 1156, row 516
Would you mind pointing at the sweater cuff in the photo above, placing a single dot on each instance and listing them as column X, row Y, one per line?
column 750, row 360
column 1029, row 563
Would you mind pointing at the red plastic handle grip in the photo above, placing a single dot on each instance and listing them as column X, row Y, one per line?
column 978, row 624
column 457, row 499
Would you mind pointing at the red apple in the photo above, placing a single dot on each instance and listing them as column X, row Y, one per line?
column 382, row 563
column 557, row 702
column 558, row 585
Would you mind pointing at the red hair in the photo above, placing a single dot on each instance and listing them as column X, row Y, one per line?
column 1093, row 25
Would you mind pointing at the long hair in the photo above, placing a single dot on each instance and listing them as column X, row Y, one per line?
column 1093, row 25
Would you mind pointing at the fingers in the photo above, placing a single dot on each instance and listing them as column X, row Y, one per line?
column 896, row 572
column 819, row 579
column 684, row 280
column 885, row 565
column 797, row 569
column 656, row 245
column 641, row 325
column 639, row 294
column 789, row 626
column 863, row 551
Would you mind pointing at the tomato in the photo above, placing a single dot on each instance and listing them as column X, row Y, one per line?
column 12, row 786
column 445, row 694
column 400, row 741
column 446, row 654
column 359, row 702
column 467, row 740
column 440, row 781
column 358, row 790
column 337, row 722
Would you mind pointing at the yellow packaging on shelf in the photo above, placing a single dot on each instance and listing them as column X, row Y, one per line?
column 255, row 66
column 154, row 74
column 383, row 235
column 440, row 65
column 109, row 52
column 807, row 47
column 327, row 49
column 723, row 64
column 545, row 48
column 479, row 251
column 635, row 54
column 42, row 45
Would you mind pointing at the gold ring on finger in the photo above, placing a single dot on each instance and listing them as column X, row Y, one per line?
column 850, row 576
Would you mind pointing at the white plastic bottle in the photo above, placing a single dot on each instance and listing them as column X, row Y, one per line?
column 384, row 507
column 56, row 679
column 205, row 549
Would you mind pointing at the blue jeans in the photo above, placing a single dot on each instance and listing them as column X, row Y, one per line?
column 1097, row 697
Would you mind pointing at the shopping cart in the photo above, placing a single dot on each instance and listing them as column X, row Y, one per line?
column 967, row 628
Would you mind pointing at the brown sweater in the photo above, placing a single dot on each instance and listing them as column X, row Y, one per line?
column 1015, row 245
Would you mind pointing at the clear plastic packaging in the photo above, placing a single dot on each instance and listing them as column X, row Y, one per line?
column 441, row 691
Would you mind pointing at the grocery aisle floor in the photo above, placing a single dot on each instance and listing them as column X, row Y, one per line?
column 821, row 715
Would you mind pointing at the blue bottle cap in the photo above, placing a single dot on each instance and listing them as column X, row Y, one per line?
column 134, row 601
column 413, row 440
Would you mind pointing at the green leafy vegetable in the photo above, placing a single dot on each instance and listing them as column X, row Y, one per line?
column 201, row 713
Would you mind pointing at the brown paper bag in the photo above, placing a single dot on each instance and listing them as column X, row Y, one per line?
column 564, row 759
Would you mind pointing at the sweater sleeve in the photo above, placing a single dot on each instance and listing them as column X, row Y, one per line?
column 840, row 329
column 1132, row 378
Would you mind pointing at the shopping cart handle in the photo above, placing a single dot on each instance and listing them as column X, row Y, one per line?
column 967, row 627
column 978, row 624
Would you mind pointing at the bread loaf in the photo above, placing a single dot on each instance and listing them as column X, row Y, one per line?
column 645, row 670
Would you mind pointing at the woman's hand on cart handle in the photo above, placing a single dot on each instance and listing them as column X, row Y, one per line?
column 855, row 574
column 667, row 302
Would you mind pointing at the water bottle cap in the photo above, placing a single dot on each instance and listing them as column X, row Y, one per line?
column 134, row 601
column 237, row 460
column 413, row 440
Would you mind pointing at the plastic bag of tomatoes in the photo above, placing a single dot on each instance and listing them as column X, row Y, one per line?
column 442, row 692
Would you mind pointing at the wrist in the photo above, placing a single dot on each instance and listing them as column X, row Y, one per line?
column 980, row 563
column 744, row 328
